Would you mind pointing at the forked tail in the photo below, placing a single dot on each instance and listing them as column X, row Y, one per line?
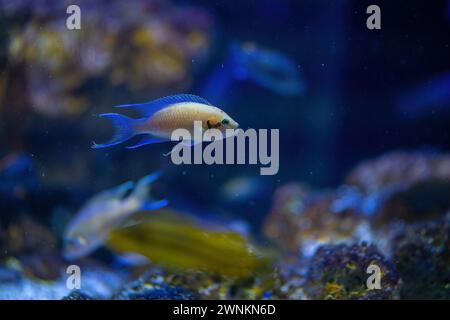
column 125, row 129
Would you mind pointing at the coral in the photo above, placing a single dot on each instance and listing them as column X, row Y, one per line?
column 160, row 283
column 339, row 272
column 320, row 252
column 422, row 256
column 160, row 292
column 137, row 45
column 9, row 275
column 26, row 236
column 404, row 186
column 302, row 220
column 289, row 280
column 77, row 295
column 400, row 168
column 157, row 283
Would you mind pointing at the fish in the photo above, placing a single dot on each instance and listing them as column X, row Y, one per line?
column 181, row 242
column 17, row 175
column 270, row 69
column 162, row 116
column 249, row 62
column 427, row 98
column 105, row 212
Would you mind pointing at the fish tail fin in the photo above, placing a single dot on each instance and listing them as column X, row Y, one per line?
column 142, row 189
column 154, row 205
column 125, row 128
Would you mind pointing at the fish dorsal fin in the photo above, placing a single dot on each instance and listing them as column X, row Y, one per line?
column 149, row 108
column 114, row 193
column 184, row 97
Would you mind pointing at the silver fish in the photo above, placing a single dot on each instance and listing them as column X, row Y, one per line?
column 104, row 212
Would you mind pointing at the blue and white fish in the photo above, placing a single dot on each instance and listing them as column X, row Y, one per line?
column 105, row 212
column 162, row 116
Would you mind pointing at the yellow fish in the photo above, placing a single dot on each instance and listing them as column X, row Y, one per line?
column 162, row 116
column 178, row 241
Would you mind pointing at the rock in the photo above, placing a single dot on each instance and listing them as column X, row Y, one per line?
column 27, row 235
column 153, row 286
column 289, row 281
column 422, row 257
column 404, row 186
column 8, row 275
column 301, row 220
column 400, row 168
column 339, row 272
column 159, row 283
column 77, row 295
column 43, row 266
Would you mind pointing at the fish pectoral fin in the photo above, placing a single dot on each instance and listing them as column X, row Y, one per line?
column 154, row 205
column 186, row 143
column 144, row 141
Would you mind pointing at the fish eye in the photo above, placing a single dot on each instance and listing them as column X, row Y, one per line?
column 225, row 122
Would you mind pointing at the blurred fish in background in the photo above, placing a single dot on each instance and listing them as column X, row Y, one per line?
column 267, row 68
column 179, row 241
column 17, row 176
column 106, row 211
column 428, row 98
